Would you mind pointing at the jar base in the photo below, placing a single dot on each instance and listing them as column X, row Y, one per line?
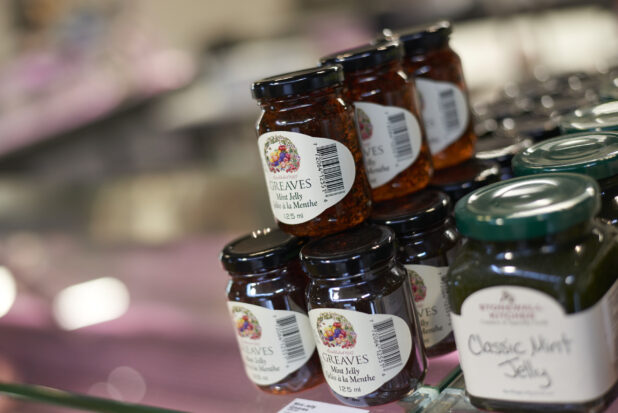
column 593, row 406
column 308, row 376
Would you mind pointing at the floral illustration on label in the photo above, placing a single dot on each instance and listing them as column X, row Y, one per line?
column 281, row 155
column 418, row 286
column 246, row 323
column 336, row 331
column 365, row 128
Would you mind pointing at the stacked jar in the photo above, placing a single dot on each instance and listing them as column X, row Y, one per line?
column 333, row 140
column 388, row 121
column 438, row 74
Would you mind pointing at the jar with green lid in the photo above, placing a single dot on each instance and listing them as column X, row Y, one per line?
column 266, row 299
column 608, row 90
column 603, row 117
column 501, row 147
column 464, row 178
column 591, row 153
column 363, row 317
column 533, row 296
column 427, row 242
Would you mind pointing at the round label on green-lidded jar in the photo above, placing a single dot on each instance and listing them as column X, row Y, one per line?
column 305, row 175
column 273, row 343
column 518, row 344
column 528, row 207
column 445, row 112
column 360, row 352
column 590, row 153
column 390, row 137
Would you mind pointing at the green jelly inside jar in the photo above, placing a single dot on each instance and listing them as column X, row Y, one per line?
column 590, row 153
column 531, row 293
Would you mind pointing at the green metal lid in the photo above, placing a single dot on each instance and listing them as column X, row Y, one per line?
column 590, row 153
column 527, row 207
column 603, row 117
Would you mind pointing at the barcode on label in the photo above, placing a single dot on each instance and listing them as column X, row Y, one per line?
column 291, row 342
column 386, row 341
column 448, row 108
column 332, row 179
column 400, row 138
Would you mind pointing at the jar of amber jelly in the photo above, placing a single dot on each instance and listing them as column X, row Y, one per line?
column 395, row 150
column 534, row 296
column 426, row 244
column 438, row 74
column 590, row 153
column 266, row 299
column 310, row 153
column 362, row 316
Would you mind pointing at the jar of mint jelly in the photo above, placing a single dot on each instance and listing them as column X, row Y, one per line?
column 590, row 153
column 387, row 113
column 534, row 297
column 266, row 299
column 310, row 152
column 426, row 244
column 363, row 317
column 438, row 73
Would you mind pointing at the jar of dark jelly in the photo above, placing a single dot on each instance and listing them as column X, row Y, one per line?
column 459, row 180
column 397, row 157
column 426, row 244
column 310, row 153
column 363, row 318
column 266, row 299
column 501, row 147
column 533, row 296
column 438, row 74
column 590, row 153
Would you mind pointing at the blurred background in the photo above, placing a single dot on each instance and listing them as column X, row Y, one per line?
column 128, row 159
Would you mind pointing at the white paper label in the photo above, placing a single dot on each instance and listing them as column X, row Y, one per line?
column 431, row 300
column 305, row 175
column 391, row 140
column 445, row 112
column 518, row 344
column 304, row 406
column 359, row 352
column 273, row 343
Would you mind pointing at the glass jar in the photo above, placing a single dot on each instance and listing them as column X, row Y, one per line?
column 363, row 318
column 438, row 74
column 266, row 299
column 592, row 154
column 395, row 150
column 603, row 117
column 310, row 153
column 501, row 147
column 536, row 126
column 464, row 178
column 533, row 296
column 426, row 245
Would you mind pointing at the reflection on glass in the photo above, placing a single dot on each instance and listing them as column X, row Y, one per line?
column 8, row 291
column 91, row 302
